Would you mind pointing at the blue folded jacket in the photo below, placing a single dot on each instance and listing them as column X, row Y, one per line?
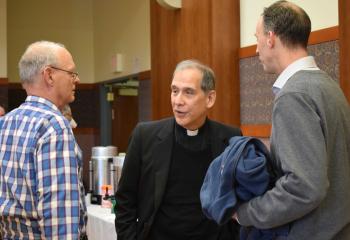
column 240, row 173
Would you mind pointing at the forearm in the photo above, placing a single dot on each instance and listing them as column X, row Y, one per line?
column 276, row 207
column 298, row 149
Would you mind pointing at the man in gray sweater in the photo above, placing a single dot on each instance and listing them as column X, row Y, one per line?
column 310, row 139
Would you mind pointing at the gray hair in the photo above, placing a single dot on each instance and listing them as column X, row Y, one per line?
column 36, row 57
column 208, row 76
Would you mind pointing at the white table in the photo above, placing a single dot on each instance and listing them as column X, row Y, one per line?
column 100, row 223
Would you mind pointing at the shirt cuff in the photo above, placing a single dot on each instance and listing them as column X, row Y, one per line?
column 235, row 217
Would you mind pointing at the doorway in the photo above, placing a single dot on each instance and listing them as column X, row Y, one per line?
column 124, row 116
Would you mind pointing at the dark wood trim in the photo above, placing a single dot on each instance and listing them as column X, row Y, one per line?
column 246, row 52
column 344, row 46
column 118, row 79
column 81, row 86
column 14, row 85
column 3, row 81
column 324, row 35
column 87, row 86
column 316, row 37
column 145, row 75
column 93, row 131
column 256, row 130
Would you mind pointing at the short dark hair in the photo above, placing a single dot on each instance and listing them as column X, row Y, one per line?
column 289, row 22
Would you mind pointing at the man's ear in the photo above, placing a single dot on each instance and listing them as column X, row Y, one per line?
column 47, row 76
column 271, row 39
column 211, row 97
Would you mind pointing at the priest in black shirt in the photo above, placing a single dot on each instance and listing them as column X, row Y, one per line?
column 166, row 162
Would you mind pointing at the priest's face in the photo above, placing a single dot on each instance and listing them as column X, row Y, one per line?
column 189, row 102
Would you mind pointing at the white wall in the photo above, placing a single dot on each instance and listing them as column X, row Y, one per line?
column 92, row 30
column 95, row 30
column 121, row 26
column 3, row 40
column 66, row 21
column 323, row 14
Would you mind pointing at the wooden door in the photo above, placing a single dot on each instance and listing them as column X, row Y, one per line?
column 124, row 119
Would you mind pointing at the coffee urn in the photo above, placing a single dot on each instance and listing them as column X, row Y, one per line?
column 118, row 162
column 102, row 171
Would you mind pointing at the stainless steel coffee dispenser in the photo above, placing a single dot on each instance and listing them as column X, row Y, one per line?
column 118, row 162
column 102, row 171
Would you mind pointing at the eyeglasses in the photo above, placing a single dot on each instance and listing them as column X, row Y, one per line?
column 74, row 75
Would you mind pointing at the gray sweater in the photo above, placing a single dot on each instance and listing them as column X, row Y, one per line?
column 310, row 147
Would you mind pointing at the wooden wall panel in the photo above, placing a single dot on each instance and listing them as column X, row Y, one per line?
column 256, row 130
column 16, row 95
column 316, row 37
column 205, row 30
column 344, row 46
column 225, row 60
column 3, row 81
column 85, row 111
column 86, row 107
column 4, row 93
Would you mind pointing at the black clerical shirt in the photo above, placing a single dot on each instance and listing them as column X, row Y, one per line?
column 180, row 215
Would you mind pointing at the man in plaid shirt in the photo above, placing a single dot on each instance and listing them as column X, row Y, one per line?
column 41, row 192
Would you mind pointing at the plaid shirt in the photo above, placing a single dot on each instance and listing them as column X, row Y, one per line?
column 42, row 196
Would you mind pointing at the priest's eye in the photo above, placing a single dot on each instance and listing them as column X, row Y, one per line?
column 189, row 92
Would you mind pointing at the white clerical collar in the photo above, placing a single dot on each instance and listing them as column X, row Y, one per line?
column 305, row 63
column 192, row 132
